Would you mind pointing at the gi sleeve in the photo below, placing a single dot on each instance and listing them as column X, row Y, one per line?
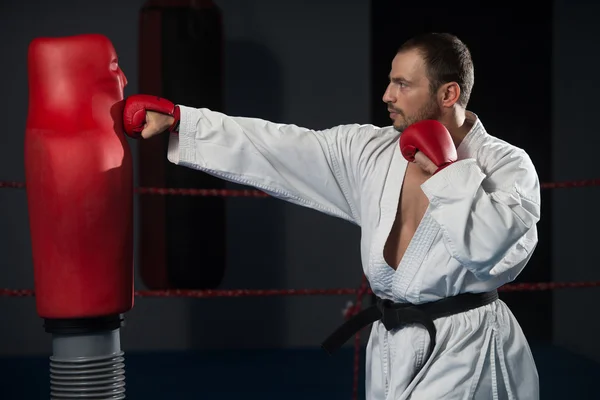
column 306, row 167
column 488, row 222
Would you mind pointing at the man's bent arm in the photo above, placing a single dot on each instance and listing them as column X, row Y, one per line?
column 485, row 218
column 310, row 168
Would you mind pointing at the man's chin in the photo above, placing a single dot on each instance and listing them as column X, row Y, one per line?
column 399, row 127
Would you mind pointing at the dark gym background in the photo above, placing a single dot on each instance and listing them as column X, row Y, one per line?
column 513, row 82
column 319, row 64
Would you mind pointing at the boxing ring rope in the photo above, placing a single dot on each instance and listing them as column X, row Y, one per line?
column 204, row 294
column 258, row 193
column 359, row 292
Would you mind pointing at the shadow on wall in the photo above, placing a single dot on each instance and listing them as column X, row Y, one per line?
column 255, row 227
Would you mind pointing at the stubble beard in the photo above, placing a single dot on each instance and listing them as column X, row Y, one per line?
column 431, row 110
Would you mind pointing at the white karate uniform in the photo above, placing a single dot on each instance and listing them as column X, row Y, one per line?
column 477, row 234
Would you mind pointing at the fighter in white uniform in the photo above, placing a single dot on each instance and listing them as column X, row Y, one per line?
column 427, row 233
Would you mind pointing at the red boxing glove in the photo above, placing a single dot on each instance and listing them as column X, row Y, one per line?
column 134, row 113
column 432, row 139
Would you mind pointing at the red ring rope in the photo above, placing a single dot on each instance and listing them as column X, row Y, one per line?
column 360, row 292
column 258, row 193
column 519, row 287
column 170, row 191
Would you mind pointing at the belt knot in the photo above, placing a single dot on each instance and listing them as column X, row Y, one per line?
column 396, row 315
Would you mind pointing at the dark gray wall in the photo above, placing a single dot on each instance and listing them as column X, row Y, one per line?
column 319, row 70
column 325, row 43
column 576, row 140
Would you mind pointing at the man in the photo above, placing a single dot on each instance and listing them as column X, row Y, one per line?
column 440, row 235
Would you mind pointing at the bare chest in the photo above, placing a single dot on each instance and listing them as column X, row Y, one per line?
column 411, row 207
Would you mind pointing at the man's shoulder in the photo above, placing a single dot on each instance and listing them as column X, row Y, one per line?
column 491, row 142
column 495, row 145
column 366, row 134
column 488, row 147
column 368, row 129
column 507, row 167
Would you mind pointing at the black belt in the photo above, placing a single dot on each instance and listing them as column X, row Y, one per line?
column 397, row 315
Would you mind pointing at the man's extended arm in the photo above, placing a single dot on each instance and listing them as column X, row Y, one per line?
column 315, row 169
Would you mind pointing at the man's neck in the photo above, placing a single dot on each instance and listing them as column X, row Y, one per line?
column 457, row 124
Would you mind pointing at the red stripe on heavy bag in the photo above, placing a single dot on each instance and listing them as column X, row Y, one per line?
column 79, row 173
column 182, row 238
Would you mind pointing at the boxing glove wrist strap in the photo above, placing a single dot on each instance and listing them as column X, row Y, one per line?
column 174, row 128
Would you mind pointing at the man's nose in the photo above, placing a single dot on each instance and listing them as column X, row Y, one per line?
column 387, row 97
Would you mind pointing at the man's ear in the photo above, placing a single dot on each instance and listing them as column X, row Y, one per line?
column 448, row 94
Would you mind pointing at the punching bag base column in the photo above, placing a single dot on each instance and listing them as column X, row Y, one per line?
column 87, row 361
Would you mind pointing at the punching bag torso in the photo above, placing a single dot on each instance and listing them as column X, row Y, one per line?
column 79, row 179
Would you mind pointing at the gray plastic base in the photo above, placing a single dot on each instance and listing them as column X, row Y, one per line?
column 87, row 366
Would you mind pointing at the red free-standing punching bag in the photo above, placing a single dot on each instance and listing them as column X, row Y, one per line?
column 78, row 171
column 79, row 179
column 181, row 59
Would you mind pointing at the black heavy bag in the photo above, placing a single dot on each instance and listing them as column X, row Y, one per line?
column 182, row 237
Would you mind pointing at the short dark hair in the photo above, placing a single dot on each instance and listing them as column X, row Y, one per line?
column 447, row 59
